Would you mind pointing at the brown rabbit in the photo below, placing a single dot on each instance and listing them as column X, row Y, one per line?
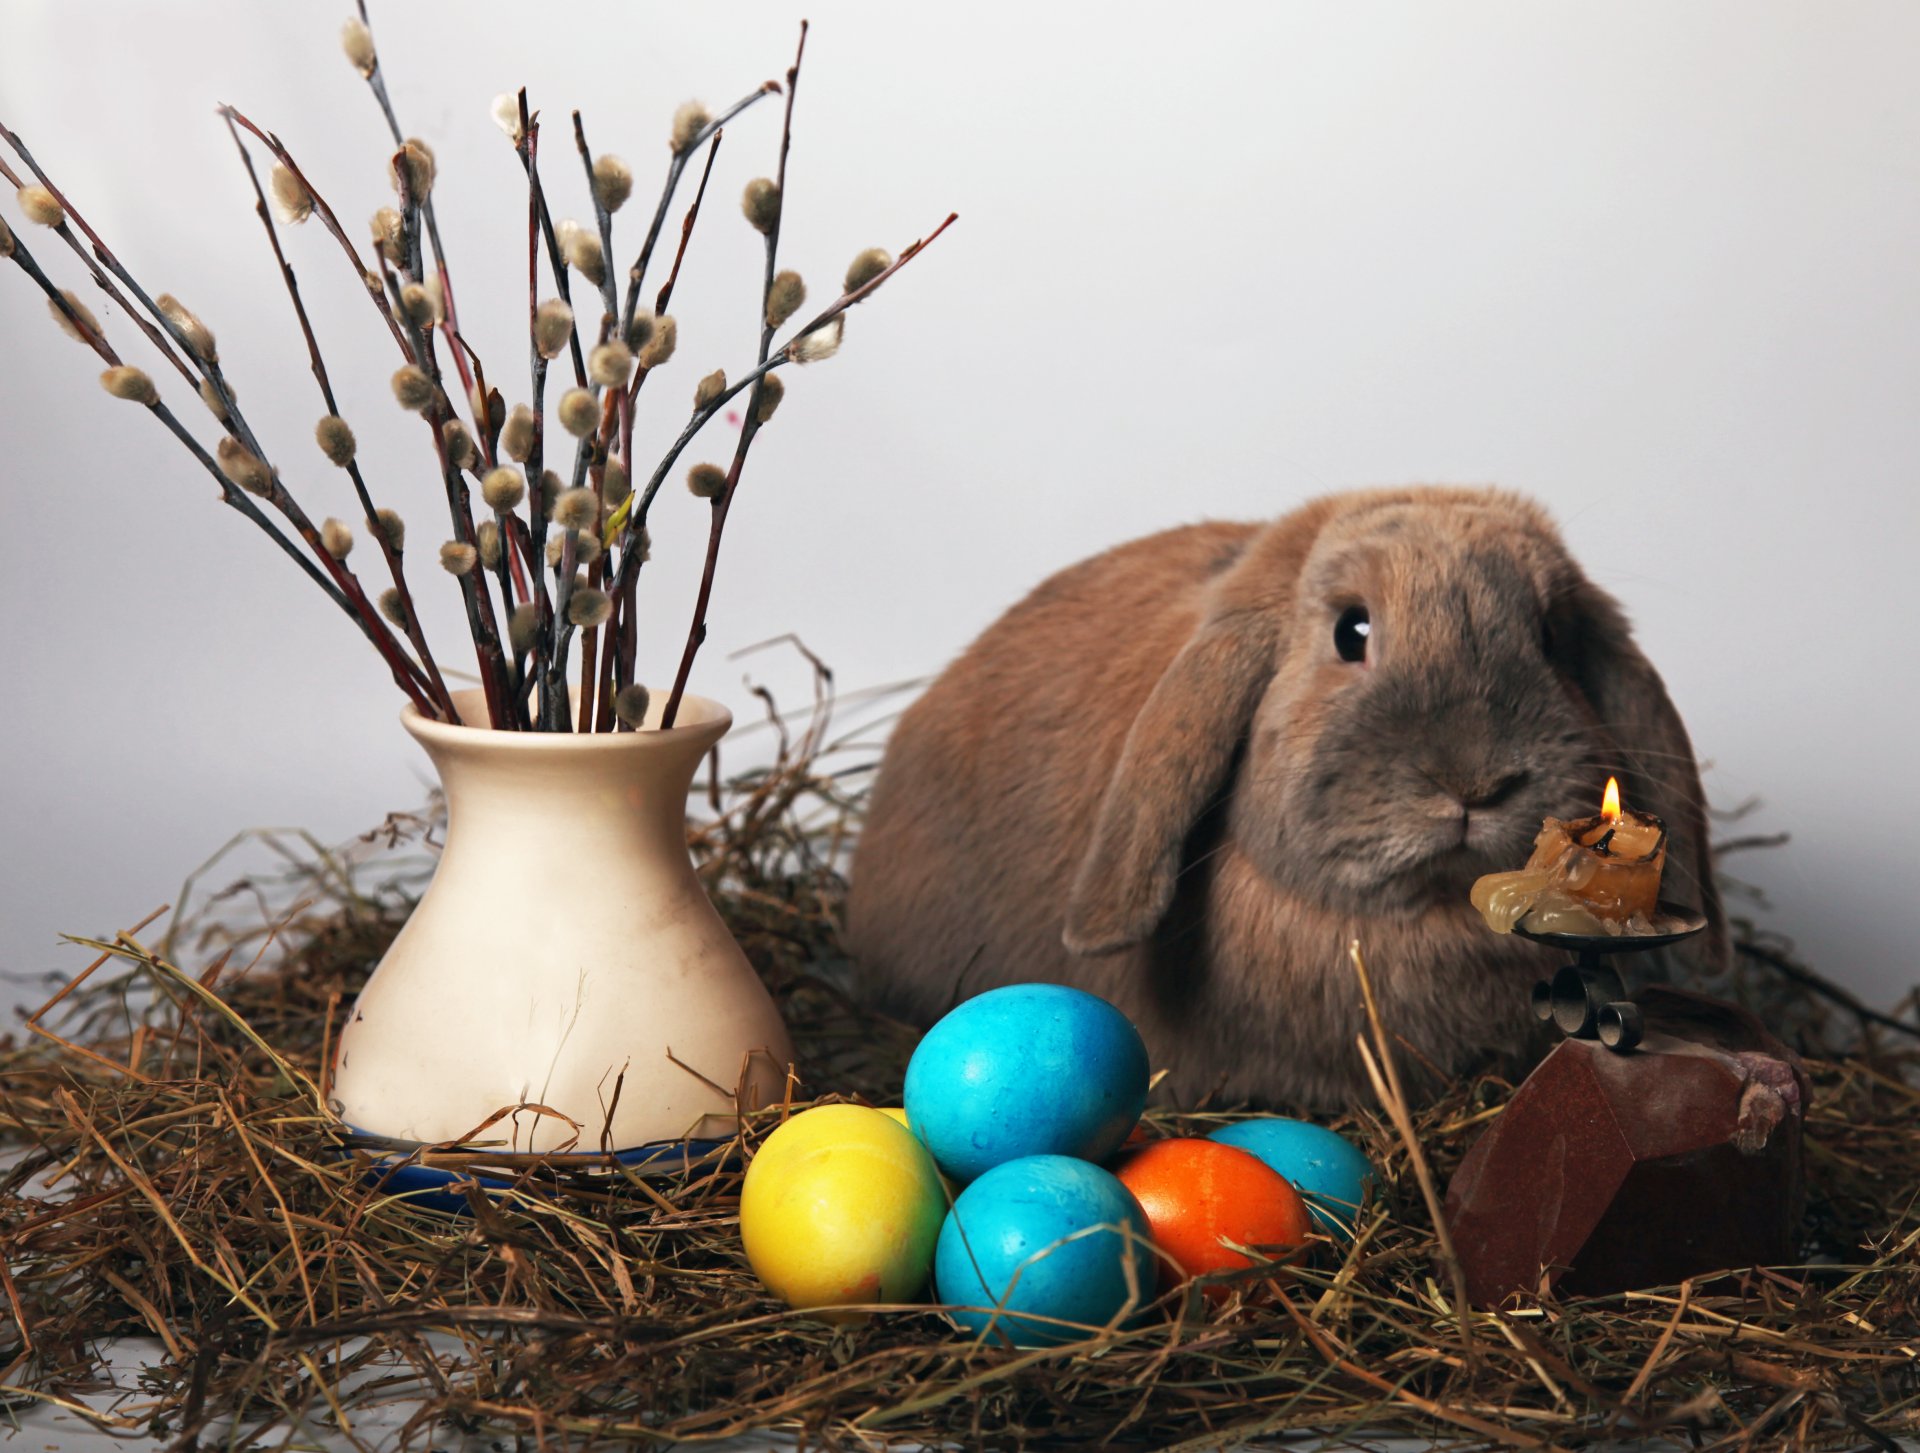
column 1184, row 774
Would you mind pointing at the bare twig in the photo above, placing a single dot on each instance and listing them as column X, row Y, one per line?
column 1384, row 1073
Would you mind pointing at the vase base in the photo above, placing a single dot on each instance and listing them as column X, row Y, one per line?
column 442, row 1184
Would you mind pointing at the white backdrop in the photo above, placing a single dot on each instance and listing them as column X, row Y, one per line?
column 1655, row 264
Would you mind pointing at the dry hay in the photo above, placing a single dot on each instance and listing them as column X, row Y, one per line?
column 171, row 1175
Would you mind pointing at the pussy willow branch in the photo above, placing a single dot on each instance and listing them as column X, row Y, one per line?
column 535, row 668
column 630, row 520
column 406, row 674
column 623, row 589
column 750, row 426
column 442, row 699
column 508, row 566
column 103, row 257
column 369, row 279
column 539, row 229
column 481, row 622
column 485, row 642
column 450, row 318
column 603, row 223
column 636, row 274
column 414, row 350
column 697, row 634
column 93, row 262
column 230, row 493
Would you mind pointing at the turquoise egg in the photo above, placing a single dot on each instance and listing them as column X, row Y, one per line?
column 1031, row 1069
column 1326, row 1169
column 1009, row 1242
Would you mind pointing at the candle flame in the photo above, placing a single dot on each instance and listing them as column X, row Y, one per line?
column 1610, row 804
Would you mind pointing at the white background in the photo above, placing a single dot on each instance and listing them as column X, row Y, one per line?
column 1655, row 264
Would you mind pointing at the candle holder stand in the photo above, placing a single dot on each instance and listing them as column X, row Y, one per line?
column 1587, row 999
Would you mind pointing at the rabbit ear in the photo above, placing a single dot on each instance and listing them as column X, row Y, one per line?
column 1644, row 742
column 1175, row 763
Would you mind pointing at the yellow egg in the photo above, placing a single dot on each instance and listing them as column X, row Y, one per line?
column 894, row 1112
column 841, row 1206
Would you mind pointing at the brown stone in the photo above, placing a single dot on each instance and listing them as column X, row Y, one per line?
column 1609, row 1171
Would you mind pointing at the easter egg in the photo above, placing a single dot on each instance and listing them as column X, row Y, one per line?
column 1010, row 1243
column 1326, row 1169
column 1198, row 1194
column 841, row 1205
column 1031, row 1069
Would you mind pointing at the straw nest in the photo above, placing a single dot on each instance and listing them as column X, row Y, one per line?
column 169, row 1174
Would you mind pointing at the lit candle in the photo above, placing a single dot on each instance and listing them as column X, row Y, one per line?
column 1591, row 875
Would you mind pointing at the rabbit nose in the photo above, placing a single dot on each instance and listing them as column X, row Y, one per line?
column 1489, row 791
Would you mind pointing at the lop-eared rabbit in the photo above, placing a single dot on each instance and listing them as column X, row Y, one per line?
column 1186, row 773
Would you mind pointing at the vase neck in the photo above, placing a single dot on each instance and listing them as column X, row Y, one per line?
column 539, row 791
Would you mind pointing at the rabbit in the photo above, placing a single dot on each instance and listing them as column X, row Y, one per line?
column 1186, row 773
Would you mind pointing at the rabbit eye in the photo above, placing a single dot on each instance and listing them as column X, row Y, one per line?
column 1350, row 633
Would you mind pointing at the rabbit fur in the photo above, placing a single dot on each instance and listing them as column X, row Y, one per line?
column 1156, row 779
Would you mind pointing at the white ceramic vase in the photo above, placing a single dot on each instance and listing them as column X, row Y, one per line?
column 564, row 947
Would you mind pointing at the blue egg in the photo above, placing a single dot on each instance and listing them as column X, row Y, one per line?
column 1005, row 1244
column 1031, row 1069
column 1326, row 1169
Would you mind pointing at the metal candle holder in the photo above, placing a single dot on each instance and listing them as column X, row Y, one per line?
column 1586, row 998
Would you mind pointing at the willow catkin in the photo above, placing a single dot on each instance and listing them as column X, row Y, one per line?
column 81, row 311
column 661, row 342
column 688, row 122
column 292, row 202
column 198, row 336
column 576, row 509
column 612, row 182
column 393, row 528
column 761, row 204
column 241, row 465
column 610, row 365
column 784, row 297
column 127, row 382
column 822, row 343
column 588, row 607
column 581, row 248
column 579, row 412
column 413, row 164
column 503, row 488
column 41, row 206
column 417, row 306
column 335, row 439
column 630, row 704
column 772, row 390
column 516, row 435
column 461, row 453
column 866, row 267
column 552, row 326
column 356, row 42
column 412, row 388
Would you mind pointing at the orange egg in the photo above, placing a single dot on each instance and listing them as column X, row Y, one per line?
column 1199, row 1193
